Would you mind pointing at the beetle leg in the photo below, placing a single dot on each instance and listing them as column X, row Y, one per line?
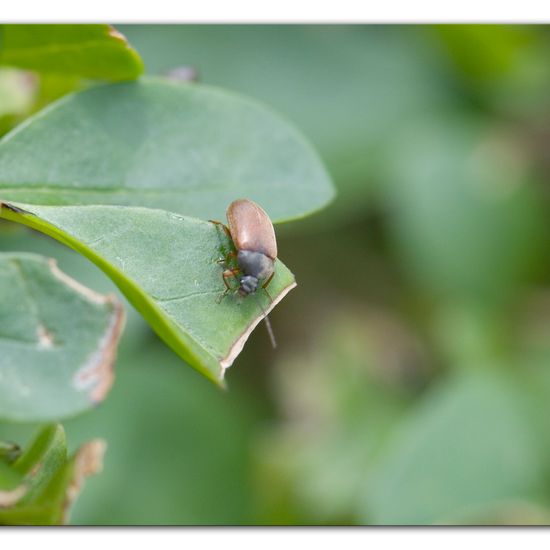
column 268, row 280
column 231, row 254
column 264, row 286
column 224, row 227
column 226, row 274
column 230, row 273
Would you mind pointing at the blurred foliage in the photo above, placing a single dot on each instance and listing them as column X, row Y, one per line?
column 467, row 445
column 412, row 376
column 40, row 484
column 463, row 207
column 339, row 402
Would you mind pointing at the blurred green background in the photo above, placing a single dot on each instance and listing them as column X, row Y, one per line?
column 411, row 384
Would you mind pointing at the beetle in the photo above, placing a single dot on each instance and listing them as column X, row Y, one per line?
column 253, row 235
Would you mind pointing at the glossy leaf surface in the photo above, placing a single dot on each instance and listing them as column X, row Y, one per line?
column 183, row 148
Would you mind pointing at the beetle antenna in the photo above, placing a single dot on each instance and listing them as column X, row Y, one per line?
column 270, row 331
column 267, row 324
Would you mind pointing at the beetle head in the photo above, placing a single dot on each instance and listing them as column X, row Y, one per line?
column 248, row 285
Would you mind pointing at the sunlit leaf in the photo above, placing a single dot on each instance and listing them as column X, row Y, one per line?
column 88, row 51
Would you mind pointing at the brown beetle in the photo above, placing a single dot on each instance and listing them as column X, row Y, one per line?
column 253, row 235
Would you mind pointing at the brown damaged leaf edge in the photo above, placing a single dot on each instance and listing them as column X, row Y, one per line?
column 87, row 462
column 98, row 373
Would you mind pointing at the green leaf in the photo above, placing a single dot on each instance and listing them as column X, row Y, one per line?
column 12, row 488
column 50, row 480
column 49, row 451
column 88, row 51
column 9, row 480
column 468, row 447
column 58, row 340
column 167, row 266
column 184, row 148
